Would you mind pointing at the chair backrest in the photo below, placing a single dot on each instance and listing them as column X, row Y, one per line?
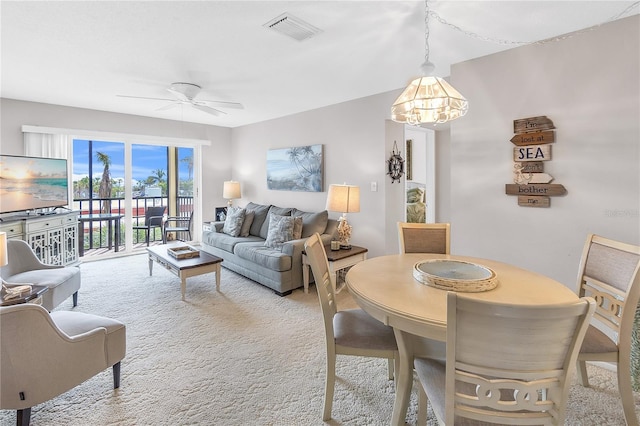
column 424, row 237
column 503, row 359
column 317, row 258
column 21, row 258
column 609, row 272
column 153, row 215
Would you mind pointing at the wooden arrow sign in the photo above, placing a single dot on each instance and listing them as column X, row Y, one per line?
column 532, row 124
column 533, row 138
column 532, row 167
column 549, row 189
column 540, row 178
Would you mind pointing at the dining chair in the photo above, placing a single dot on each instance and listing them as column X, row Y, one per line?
column 424, row 237
column 505, row 364
column 348, row 332
column 177, row 224
column 152, row 219
column 609, row 272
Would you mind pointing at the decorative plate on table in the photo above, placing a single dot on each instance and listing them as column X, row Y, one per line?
column 455, row 275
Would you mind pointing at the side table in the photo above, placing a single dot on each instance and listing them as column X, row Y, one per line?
column 33, row 296
column 338, row 260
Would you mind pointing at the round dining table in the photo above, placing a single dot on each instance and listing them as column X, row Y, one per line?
column 386, row 289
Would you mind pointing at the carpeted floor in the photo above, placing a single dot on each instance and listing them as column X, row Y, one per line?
column 243, row 356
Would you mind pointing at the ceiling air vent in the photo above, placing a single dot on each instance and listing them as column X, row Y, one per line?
column 293, row 27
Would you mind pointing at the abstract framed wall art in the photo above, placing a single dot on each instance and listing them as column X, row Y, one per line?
column 299, row 168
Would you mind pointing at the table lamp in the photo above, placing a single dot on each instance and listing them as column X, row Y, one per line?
column 231, row 191
column 345, row 199
column 4, row 258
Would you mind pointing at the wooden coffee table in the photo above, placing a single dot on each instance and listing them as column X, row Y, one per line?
column 184, row 268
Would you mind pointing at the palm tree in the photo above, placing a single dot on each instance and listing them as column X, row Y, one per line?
column 158, row 176
column 105, row 182
column 188, row 160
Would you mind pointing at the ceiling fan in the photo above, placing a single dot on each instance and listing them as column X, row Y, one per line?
column 185, row 93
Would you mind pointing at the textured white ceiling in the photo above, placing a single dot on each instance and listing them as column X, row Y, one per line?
column 83, row 54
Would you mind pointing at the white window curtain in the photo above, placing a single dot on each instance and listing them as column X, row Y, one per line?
column 47, row 145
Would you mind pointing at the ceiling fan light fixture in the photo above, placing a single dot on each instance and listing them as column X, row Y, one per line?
column 189, row 90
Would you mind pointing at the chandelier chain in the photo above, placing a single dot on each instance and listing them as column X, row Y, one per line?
column 477, row 36
column 426, row 31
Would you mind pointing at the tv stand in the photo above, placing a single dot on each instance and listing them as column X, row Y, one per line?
column 53, row 237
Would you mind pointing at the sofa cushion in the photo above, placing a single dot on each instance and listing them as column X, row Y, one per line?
column 280, row 230
column 246, row 225
column 267, row 257
column 233, row 222
column 226, row 242
column 260, row 215
column 280, row 211
column 312, row 222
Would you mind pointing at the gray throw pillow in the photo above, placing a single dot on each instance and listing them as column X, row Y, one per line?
column 246, row 225
column 280, row 230
column 312, row 222
column 260, row 211
column 280, row 211
column 233, row 222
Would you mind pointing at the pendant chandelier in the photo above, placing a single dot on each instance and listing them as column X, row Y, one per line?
column 428, row 99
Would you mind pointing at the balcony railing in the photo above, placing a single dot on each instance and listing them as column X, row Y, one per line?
column 97, row 232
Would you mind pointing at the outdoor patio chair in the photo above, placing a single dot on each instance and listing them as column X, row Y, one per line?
column 152, row 219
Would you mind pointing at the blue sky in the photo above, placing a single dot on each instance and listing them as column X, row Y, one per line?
column 146, row 159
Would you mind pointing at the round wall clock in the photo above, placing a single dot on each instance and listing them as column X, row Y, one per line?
column 395, row 164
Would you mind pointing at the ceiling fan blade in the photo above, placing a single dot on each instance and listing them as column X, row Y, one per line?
column 144, row 97
column 220, row 104
column 181, row 96
column 169, row 106
column 208, row 110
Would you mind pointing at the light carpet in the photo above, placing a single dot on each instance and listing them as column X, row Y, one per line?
column 241, row 356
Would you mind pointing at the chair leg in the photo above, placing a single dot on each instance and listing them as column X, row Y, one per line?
column 23, row 417
column 626, row 392
column 583, row 378
column 329, row 385
column 148, row 232
column 390, row 368
column 116, row 375
column 75, row 299
column 422, row 406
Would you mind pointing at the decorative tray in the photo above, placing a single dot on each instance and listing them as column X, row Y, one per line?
column 455, row 275
column 183, row 252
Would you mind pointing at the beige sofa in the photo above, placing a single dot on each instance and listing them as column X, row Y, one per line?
column 279, row 267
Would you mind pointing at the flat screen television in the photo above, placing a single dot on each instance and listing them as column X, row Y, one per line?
column 31, row 183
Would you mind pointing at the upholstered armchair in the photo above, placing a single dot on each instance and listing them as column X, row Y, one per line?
column 25, row 268
column 43, row 355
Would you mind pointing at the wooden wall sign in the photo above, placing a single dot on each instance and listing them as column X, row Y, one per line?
column 532, row 167
column 535, row 189
column 532, row 124
column 534, row 201
column 532, row 153
column 533, row 138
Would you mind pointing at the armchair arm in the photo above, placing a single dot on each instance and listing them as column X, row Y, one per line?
column 177, row 219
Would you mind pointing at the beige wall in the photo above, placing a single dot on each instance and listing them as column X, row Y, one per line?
column 588, row 85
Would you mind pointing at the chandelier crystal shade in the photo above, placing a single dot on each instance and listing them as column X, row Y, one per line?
column 428, row 99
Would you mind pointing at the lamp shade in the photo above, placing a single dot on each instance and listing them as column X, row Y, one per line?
column 429, row 100
column 343, row 198
column 3, row 249
column 231, row 190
